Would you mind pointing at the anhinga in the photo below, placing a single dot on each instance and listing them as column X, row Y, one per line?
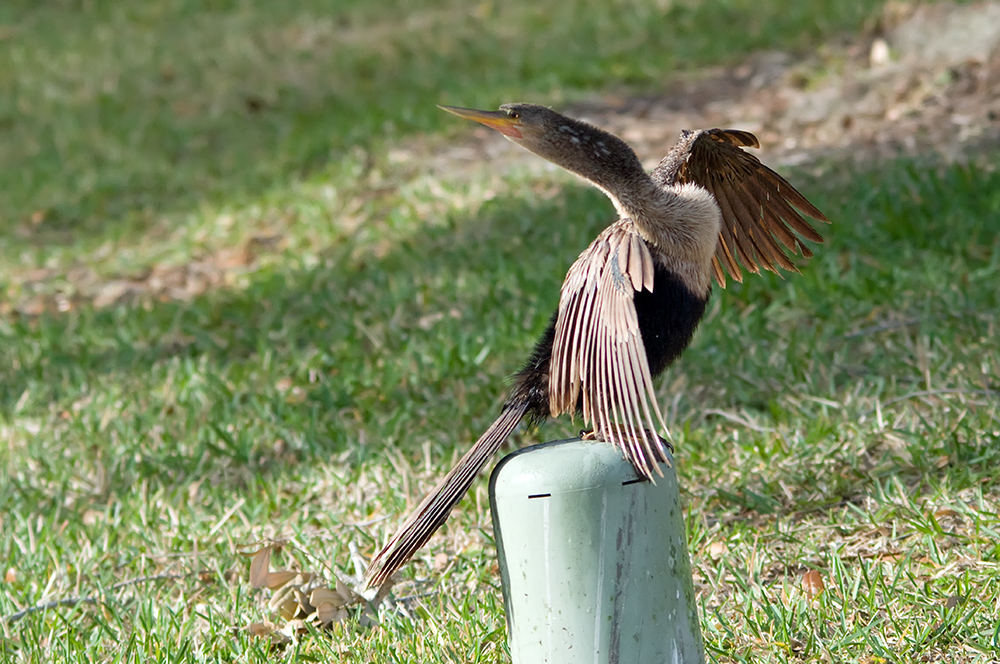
column 631, row 301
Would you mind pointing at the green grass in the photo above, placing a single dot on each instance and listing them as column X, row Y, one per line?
column 128, row 119
column 844, row 420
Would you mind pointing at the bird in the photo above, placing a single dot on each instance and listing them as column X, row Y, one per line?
column 630, row 303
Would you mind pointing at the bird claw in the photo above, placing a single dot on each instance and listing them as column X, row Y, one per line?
column 665, row 443
column 592, row 435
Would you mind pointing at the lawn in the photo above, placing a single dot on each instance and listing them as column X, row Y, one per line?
column 228, row 316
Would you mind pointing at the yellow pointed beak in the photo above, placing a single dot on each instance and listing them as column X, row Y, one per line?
column 498, row 120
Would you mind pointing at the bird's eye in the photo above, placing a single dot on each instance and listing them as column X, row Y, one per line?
column 514, row 115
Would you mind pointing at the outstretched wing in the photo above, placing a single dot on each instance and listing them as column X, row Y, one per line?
column 762, row 214
column 597, row 352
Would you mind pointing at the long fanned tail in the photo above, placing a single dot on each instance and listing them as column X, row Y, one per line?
column 434, row 509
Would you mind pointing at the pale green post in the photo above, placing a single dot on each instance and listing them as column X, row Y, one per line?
column 594, row 561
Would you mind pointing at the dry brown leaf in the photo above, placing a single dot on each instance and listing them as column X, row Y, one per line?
column 716, row 549
column 281, row 597
column 305, row 608
column 261, row 628
column 326, row 596
column 812, row 583
column 288, row 608
column 275, row 580
column 325, row 612
column 301, row 597
column 10, row 576
column 259, row 567
column 347, row 596
column 295, row 627
column 328, row 614
column 269, row 629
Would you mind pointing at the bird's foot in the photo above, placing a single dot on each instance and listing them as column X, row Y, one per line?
column 631, row 432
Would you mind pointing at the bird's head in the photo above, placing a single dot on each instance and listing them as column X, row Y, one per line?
column 524, row 124
column 576, row 146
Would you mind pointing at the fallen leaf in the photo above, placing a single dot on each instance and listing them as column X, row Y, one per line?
column 275, row 580
column 284, row 601
column 295, row 627
column 259, row 571
column 347, row 596
column 812, row 583
column 321, row 596
column 328, row 614
column 261, row 628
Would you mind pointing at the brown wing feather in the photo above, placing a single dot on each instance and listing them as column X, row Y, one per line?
column 763, row 216
column 598, row 354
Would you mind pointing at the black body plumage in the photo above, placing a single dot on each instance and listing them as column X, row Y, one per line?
column 668, row 317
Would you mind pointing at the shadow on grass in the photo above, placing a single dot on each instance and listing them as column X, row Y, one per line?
column 398, row 348
column 360, row 348
column 119, row 118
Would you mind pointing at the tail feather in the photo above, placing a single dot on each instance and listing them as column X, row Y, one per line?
column 434, row 509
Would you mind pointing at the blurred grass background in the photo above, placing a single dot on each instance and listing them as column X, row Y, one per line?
column 125, row 118
column 345, row 324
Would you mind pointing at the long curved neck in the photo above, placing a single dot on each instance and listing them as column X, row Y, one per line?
column 608, row 162
column 637, row 198
column 681, row 222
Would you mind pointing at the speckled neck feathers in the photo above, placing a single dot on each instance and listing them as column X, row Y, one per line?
column 682, row 221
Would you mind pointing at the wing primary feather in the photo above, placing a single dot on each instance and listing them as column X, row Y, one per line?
column 622, row 255
column 561, row 384
column 786, row 191
column 717, row 272
column 637, row 263
column 626, row 394
column 642, row 426
column 728, row 244
column 785, row 210
column 761, row 248
column 614, row 395
column 594, row 373
column 772, row 215
column 604, row 403
column 761, row 212
column 648, row 270
column 742, row 246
